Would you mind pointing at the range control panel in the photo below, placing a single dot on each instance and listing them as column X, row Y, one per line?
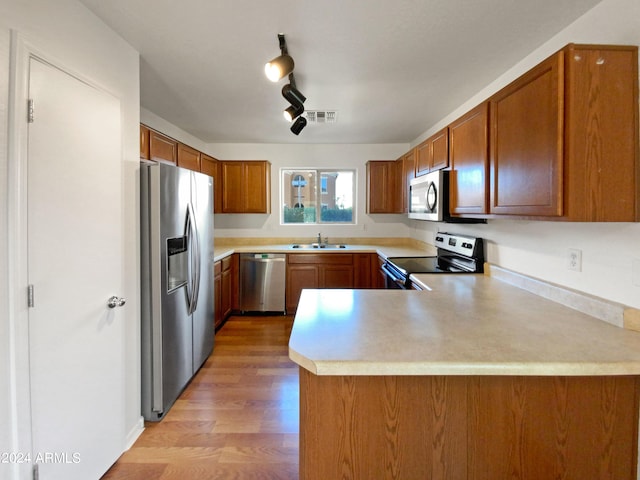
column 467, row 246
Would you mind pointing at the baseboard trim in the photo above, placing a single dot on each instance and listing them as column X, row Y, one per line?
column 134, row 433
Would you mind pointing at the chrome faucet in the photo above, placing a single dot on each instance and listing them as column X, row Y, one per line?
column 319, row 239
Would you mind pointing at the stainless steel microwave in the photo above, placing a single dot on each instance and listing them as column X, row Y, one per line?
column 429, row 199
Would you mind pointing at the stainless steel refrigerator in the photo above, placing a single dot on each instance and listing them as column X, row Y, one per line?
column 177, row 307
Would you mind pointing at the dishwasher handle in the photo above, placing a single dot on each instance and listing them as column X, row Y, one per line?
column 263, row 257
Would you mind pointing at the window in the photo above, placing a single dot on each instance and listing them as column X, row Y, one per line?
column 317, row 196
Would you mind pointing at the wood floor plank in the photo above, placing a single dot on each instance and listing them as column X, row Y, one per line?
column 237, row 419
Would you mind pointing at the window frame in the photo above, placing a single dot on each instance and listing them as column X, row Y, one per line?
column 318, row 194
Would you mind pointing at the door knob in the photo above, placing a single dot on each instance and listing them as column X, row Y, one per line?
column 114, row 302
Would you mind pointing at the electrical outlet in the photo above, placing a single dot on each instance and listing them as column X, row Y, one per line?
column 574, row 259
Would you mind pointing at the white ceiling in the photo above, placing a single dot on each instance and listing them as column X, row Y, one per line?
column 391, row 68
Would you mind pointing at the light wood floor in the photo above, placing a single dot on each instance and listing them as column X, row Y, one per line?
column 237, row 419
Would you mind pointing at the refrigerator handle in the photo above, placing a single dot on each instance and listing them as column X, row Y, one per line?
column 194, row 241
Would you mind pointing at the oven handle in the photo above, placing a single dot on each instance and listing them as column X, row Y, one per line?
column 398, row 281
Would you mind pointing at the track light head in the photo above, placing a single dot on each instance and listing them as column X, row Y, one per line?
column 279, row 67
column 293, row 95
column 298, row 125
column 292, row 112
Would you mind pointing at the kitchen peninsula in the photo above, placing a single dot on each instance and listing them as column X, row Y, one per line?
column 471, row 378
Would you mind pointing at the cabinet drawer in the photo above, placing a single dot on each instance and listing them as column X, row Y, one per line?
column 323, row 258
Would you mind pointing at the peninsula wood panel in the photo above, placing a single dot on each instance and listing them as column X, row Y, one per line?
column 468, row 427
column 553, row 427
column 382, row 427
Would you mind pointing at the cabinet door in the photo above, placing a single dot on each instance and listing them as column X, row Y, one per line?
column 468, row 155
column 433, row 153
column 144, row 142
column 601, row 153
column 226, row 286
column 188, row 157
column 336, row 276
column 162, row 148
column 527, row 142
column 362, row 269
column 217, row 293
column 298, row 278
column 423, row 157
column 245, row 187
column 232, row 187
column 407, row 173
column 209, row 166
column 440, row 150
column 382, row 187
column 257, row 186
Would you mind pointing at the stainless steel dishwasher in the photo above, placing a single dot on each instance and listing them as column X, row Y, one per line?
column 262, row 282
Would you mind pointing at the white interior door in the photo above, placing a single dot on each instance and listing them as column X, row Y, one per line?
column 75, row 264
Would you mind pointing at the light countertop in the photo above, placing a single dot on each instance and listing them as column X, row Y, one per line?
column 460, row 325
column 222, row 250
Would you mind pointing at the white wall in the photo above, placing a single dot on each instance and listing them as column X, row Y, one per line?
column 5, row 404
column 311, row 156
column 66, row 32
column 297, row 156
column 539, row 249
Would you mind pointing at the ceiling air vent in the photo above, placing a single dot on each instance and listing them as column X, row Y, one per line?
column 321, row 116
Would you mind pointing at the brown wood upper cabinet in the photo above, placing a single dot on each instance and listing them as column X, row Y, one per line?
column 433, row 153
column 383, row 184
column 162, row 148
column 144, row 142
column 564, row 138
column 407, row 172
column 210, row 166
column 188, row 157
column 468, row 155
column 246, row 186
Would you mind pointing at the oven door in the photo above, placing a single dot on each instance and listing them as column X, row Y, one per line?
column 393, row 280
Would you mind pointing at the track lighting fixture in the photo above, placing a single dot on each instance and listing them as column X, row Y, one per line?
column 298, row 125
column 278, row 68
column 293, row 95
column 293, row 112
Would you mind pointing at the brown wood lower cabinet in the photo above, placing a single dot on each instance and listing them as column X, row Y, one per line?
column 327, row 270
column 468, row 427
column 225, row 286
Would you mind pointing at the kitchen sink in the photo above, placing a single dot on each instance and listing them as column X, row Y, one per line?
column 309, row 246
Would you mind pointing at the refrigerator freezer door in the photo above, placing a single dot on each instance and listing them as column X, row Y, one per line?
column 203, row 316
column 175, row 355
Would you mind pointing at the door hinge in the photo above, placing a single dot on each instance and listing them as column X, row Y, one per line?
column 30, row 110
column 30, row 296
column 36, row 472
